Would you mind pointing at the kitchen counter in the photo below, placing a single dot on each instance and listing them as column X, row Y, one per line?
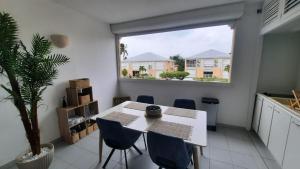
column 283, row 103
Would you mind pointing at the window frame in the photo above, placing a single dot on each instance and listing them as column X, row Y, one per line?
column 230, row 23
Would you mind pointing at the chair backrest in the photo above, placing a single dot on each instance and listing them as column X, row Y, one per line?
column 112, row 133
column 145, row 99
column 167, row 151
column 119, row 100
column 185, row 103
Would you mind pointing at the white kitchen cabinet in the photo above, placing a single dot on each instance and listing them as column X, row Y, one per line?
column 265, row 121
column 279, row 133
column 292, row 152
column 257, row 113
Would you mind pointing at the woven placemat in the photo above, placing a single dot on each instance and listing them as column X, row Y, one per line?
column 123, row 118
column 181, row 112
column 171, row 129
column 137, row 106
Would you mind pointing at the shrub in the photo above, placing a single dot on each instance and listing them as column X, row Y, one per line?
column 181, row 75
column 124, row 72
column 177, row 74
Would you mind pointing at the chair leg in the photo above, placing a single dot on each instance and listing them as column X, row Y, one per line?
column 145, row 141
column 108, row 158
column 139, row 151
column 201, row 150
column 126, row 159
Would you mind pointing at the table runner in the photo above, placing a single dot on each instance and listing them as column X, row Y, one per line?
column 137, row 106
column 123, row 118
column 181, row 112
column 171, row 129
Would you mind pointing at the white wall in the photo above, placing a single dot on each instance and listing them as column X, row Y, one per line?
column 237, row 98
column 280, row 63
column 92, row 53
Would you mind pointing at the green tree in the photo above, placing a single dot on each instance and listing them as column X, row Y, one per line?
column 179, row 61
column 227, row 68
column 124, row 72
column 123, row 51
column 142, row 69
column 180, row 75
column 29, row 73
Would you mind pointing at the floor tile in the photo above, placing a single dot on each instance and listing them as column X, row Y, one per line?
column 220, row 155
column 220, row 165
column 57, row 163
column 243, row 160
column 272, row 164
column 241, row 146
column 69, row 154
column 86, row 160
column 206, row 152
column 217, row 140
column 137, row 163
column 228, row 148
column 239, row 167
column 95, row 134
column 204, row 163
column 90, row 144
column 110, row 165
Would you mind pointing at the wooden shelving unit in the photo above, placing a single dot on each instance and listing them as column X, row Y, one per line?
column 75, row 120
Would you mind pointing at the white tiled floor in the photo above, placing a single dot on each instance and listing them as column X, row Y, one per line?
column 228, row 148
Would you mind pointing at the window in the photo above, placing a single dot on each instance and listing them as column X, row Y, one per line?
column 191, row 63
column 198, row 54
column 208, row 74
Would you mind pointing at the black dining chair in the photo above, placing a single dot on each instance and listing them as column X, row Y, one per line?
column 169, row 152
column 145, row 99
column 117, row 137
column 148, row 100
column 185, row 103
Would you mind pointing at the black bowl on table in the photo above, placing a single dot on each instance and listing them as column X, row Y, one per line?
column 153, row 111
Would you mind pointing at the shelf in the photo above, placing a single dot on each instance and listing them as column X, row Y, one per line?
column 70, row 126
column 84, row 111
column 69, row 108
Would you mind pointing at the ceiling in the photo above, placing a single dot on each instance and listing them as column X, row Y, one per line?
column 115, row 11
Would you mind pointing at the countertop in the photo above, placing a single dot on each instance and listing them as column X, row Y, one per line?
column 275, row 100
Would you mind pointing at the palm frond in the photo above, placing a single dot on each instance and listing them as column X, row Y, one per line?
column 8, row 31
column 58, row 59
column 41, row 47
column 11, row 93
column 8, row 42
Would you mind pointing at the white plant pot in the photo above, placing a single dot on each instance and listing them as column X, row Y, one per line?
column 42, row 162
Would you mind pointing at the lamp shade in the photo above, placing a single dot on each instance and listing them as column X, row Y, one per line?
column 60, row 41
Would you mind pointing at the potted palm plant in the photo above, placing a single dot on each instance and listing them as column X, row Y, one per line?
column 29, row 73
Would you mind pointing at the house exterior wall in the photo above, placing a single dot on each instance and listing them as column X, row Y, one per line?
column 153, row 69
column 199, row 72
column 216, row 66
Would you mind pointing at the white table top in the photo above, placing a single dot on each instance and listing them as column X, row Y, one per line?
column 198, row 133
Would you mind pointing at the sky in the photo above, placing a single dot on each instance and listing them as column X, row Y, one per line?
column 184, row 42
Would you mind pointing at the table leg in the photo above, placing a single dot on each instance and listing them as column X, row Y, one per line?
column 196, row 158
column 100, row 147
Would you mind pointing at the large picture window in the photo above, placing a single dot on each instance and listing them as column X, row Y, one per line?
column 198, row 54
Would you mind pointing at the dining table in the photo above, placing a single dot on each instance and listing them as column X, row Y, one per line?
column 198, row 124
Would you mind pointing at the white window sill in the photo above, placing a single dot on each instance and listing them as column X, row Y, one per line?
column 181, row 82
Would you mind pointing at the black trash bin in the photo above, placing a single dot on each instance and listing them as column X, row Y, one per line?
column 211, row 106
